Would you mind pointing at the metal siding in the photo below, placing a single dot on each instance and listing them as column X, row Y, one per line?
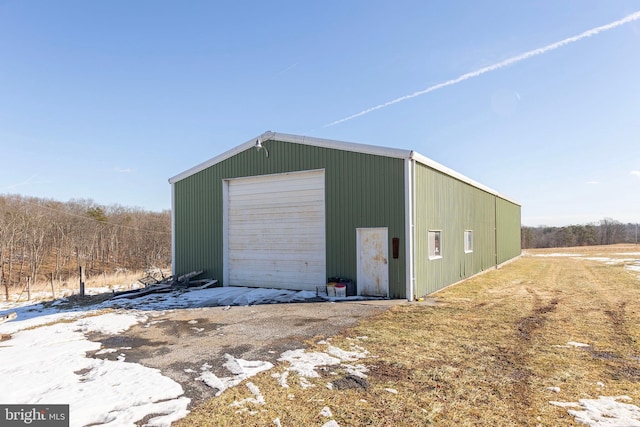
column 508, row 217
column 361, row 190
column 447, row 204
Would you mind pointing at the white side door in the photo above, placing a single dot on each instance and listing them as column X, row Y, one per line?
column 373, row 261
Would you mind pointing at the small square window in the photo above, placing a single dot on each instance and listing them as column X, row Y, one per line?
column 435, row 244
column 468, row 241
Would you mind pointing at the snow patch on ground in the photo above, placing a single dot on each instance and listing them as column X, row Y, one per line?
column 305, row 363
column 631, row 264
column 47, row 365
column 326, row 412
column 240, row 368
column 45, row 362
column 606, row 411
column 577, row 344
column 256, row 399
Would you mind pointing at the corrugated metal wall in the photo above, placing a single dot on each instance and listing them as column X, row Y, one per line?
column 451, row 206
column 509, row 224
column 362, row 190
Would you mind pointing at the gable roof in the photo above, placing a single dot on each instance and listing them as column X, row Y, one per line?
column 338, row 145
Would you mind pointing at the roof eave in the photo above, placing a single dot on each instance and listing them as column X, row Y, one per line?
column 294, row 139
column 447, row 171
column 337, row 145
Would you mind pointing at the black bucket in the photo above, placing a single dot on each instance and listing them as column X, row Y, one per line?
column 351, row 288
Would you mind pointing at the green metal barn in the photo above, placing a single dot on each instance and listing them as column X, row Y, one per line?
column 288, row 211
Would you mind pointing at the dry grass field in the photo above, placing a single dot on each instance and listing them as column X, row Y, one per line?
column 98, row 284
column 494, row 350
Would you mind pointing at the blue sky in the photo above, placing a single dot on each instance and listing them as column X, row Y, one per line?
column 106, row 100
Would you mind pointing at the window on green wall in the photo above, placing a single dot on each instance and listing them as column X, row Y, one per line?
column 435, row 244
column 468, row 241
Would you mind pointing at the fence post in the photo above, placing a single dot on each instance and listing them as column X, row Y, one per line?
column 28, row 288
column 81, row 281
column 6, row 287
column 53, row 291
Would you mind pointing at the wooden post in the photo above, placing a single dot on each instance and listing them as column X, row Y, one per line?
column 28, row 288
column 81, row 281
column 53, row 291
column 6, row 288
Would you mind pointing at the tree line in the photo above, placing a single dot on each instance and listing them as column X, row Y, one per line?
column 44, row 239
column 605, row 232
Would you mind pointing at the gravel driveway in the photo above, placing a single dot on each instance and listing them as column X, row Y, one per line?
column 180, row 342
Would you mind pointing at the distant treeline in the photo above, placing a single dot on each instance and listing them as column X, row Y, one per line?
column 606, row 232
column 44, row 239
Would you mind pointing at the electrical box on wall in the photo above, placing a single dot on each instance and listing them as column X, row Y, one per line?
column 395, row 247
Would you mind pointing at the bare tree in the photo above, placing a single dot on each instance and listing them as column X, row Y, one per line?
column 41, row 238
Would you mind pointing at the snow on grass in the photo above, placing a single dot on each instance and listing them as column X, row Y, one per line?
column 606, row 411
column 241, row 370
column 44, row 361
column 577, row 344
column 109, row 324
column 357, row 353
column 257, row 399
column 38, row 312
column 631, row 264
column 282, row 378
column 305, row 363
column 48, row 365
column 326, row 412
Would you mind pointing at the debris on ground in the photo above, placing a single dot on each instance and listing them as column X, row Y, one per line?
column 167, row 284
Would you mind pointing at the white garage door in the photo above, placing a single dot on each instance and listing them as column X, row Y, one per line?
column 276, row 231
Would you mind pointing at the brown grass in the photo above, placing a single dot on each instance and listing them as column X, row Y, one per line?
column 484, row 356
column 41, row 291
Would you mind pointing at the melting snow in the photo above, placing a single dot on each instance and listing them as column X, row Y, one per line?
column 48, row 365
column 631, row 264
column 606, row 411
column 45, row 359
column 305, row 364
column 257, row 399
column 577, row 344
column 326, row 412
column 241, row 370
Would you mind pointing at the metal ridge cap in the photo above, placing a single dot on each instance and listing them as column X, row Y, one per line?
column 340, row 145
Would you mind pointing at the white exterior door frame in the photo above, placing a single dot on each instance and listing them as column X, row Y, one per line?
column 372, row 246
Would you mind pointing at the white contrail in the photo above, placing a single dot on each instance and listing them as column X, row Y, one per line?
column 535, row 52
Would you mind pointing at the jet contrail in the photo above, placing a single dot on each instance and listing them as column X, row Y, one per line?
column 535, row 52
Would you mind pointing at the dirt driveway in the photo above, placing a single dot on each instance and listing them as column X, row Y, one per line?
column 181, row 342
